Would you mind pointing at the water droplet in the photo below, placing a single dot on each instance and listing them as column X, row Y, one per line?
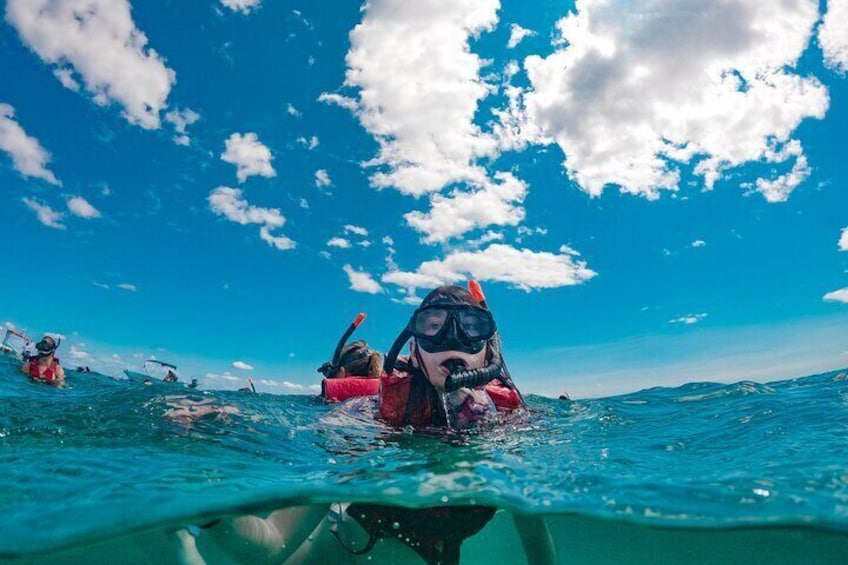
column 396, row 525
column 444, row 499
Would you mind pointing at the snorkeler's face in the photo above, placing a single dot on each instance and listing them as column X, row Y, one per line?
column 436, row 366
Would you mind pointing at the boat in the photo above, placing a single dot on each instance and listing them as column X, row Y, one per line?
column 154, row 371
column 14, row 343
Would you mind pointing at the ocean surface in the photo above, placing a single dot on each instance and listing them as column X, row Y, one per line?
column 106, row 471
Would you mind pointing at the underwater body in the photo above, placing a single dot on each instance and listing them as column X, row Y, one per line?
column 106, row 470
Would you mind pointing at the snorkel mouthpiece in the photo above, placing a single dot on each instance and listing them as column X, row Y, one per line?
column 471, row 378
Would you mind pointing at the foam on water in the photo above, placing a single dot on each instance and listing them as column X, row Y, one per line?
column 705, row 472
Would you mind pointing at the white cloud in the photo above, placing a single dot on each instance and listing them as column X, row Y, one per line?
column 840, row 295
column 310, row 143
column 342, row 101
column 66, row 77
column 45, row 214
column 243, row 6
column 699, row 243
column 418, row 90
column 522, row 268
column 181, row 119
column 242, row 366
column 350, row 228
column 230, row 203
column 79, row 354
column 304, row 204
column 843, row 240
column 833, row 35
column 689, row 319
column 361, row 281
column 127, row 286
column 79, row 206
column 779, row 189
column 97, row 40
column 28, row 157
column 322, row 179
column 495, row 203
column 249, row 155
column 643, row 86
column 100, row 285
column 339, row 242
column 292, row 111
column 516, row 34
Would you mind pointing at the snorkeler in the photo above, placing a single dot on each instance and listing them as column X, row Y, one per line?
column 354, row 369
column 454, row 377
column 44, row 366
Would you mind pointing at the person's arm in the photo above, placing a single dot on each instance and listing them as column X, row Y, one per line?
column 60, row 374
column 25, row 368
column 536, row 539
column 253, row 539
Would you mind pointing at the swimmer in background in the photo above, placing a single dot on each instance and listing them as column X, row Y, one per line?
column 445, row 383
column 44, row 365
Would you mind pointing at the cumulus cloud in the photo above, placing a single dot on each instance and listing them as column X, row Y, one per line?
column 79, row 206
column 360, row 281
column 242, row 366
column 641, row 88
column 699, row 243
column 243, row 6
column 517, row 34
column 127, row 286
column 350, row 228
column 292, row 111
column 418, row 89
column 249, row 155
column 28, row 156
column 522, row 268
column 230, row 203
column 689, row 319
column 322, row 179
column 779, row 189
column 181, row 119
column 45, row 214
column 310, row 143
column 339, row 242
column 840, row 295
column 98, row 42
column 843, row 240
column 495, row 203
column 833, row 35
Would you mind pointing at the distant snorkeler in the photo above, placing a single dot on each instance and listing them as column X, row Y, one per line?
column 44, row 366
column 454, row 377
column 354, row 369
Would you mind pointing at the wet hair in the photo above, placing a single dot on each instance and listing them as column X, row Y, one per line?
column 357, row 359
column 449, row 294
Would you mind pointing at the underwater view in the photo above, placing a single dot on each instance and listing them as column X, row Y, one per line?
column 111, row 471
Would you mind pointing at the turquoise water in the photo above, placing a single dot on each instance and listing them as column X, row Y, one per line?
column 104, row 471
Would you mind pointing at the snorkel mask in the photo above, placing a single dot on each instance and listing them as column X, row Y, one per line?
column 452, row 319
column 47, row 346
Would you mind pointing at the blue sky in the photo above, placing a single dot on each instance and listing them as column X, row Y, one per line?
column 650, row 192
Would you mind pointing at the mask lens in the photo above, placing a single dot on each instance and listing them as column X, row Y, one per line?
column 44, row 346
column 476, row 324
column 429, row 322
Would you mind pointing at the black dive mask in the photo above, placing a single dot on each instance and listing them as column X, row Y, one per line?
column 451, row 327
column 45, row 348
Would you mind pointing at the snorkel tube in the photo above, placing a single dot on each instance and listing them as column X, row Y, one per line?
column 495, row 370
column 329, row 369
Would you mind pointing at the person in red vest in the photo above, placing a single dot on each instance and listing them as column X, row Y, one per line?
column 44, row 365
column 454, row 377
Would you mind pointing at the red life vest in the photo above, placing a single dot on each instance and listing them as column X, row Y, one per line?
column 49, row 372
column 395, row 392
column 338, row 390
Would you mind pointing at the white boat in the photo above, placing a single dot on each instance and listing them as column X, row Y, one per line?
column 14, row 343
column 154, row 371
